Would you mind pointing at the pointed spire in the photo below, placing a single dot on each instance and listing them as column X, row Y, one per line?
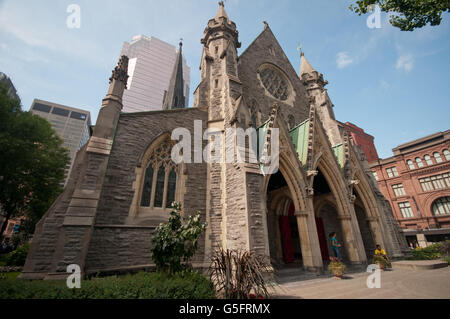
column 221, row 13
column 174, row 97
column 305, row 67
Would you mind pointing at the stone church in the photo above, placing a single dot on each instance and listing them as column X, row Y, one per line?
column 124, row 179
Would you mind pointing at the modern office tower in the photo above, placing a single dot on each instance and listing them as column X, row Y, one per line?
column 71, row 124
column 150, row 67
column 11, row 89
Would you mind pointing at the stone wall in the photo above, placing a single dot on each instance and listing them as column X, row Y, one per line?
column 116, row 244
column 266, row 49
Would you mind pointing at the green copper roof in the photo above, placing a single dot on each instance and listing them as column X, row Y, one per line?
column 339, row 153
column 299, row 135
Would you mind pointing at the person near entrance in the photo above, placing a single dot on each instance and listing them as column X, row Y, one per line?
column 335, row 246
column 381, row 252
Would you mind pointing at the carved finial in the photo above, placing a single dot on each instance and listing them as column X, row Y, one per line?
column 299, row 49
column 221, row 4
column 266, row 25
column 120, row 72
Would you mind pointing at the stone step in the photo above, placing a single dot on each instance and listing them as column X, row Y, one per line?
column 419, row 264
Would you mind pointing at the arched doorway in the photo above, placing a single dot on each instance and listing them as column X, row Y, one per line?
column 326, row 213
column 284, row 239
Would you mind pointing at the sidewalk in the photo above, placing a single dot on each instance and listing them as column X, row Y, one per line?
column 401, row 283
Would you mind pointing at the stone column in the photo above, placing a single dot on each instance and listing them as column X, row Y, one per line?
column 349, row 238
column 375, row 229
column 309, row 241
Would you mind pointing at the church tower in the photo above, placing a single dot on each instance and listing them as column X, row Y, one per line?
column 315, row 85
column 174, row 97
column 220, row 85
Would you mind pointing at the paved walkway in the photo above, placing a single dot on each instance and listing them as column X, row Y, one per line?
column 395, row 284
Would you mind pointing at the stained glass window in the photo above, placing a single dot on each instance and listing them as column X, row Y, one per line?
column 159, row 190
column 159, row 163
column 147, row 189
column 275, row 83
column 171, row 187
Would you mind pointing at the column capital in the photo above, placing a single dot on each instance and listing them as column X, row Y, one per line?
column 301, row 213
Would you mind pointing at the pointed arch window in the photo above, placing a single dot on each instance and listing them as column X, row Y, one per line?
column 160, row 179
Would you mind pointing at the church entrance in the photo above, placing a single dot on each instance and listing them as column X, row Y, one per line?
column 327, row 220
column 284, row 239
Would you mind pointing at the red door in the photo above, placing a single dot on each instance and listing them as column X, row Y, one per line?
column 286, row 236
column 322, row 239
column 288, row 250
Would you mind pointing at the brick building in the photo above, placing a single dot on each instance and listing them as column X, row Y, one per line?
column 416, row 181
column 124, row 179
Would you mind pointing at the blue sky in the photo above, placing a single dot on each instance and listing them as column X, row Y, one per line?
column 395, row 85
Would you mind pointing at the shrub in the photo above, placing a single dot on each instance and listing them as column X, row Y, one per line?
column 18, row 256
column 337, row 268
column 236, row 274
column 447, row 259
column 429, row 253
column 183, row 285
column 175, row 243
column 379, row 260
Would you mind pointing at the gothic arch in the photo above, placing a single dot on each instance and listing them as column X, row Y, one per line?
column 153, row 214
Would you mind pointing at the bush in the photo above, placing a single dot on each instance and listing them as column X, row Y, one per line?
column 183, row 285
column 429, row 253
column 175, row 243
column 447, row 259
column 379, row 260
column 18, row 256
column 236, row 274
column 337, row 268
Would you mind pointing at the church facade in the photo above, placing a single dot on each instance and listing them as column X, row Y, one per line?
column 124, row 179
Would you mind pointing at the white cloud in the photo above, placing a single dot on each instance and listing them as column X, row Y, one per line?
column 405, row 62
column 343, row 60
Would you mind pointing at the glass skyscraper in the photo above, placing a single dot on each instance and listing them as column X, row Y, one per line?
column 150, row 66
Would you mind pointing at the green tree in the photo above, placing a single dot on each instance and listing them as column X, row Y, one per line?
column 32, row 163
column 175, row 242
column 407, row 14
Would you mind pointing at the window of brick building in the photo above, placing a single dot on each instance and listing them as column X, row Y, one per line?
column 447, row 155
column 437, row 157
column 419, row 162
column 392, row 172
column 410, row 164
column 428, row 160
column 399, row 190
column 406, row 210
column 441, row 206
column 435, row 182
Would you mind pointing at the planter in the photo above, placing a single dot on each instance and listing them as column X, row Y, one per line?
column 339, row 275
column 381, row 266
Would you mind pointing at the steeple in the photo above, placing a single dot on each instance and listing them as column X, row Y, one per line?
column 174, row 97
column 315, row 86
column 305, row 67
column 221, row 12
column 219, row 26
